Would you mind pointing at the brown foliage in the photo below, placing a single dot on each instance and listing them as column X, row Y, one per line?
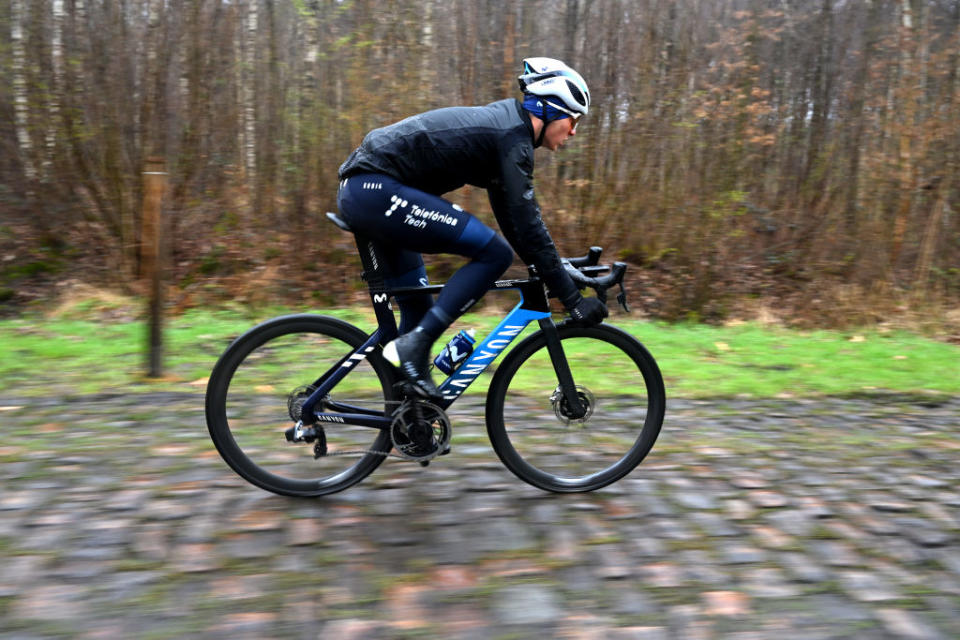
column 735, row 150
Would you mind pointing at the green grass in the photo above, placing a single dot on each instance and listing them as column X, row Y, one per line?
column 699, row 360
column 84, row 355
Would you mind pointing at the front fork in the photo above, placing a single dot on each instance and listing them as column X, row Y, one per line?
column 564, row 376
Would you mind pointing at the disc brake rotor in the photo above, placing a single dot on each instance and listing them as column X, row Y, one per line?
column 563, row 410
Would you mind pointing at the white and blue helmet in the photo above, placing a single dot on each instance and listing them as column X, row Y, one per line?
column 556, row 84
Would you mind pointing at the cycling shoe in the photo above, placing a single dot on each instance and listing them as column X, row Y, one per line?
column 411, row 354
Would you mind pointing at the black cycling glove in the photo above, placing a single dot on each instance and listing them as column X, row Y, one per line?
column 588, row 312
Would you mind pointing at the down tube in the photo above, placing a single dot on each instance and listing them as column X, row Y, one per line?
column 487, row 351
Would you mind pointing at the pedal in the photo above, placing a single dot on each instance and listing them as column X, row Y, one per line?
column 407, row 390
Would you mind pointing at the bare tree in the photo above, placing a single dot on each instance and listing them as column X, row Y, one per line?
column 730, row 143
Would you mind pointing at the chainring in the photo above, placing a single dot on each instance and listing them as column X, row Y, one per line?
column 420, row 430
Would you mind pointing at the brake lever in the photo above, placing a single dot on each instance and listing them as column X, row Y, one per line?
column 622, row 299
column 582, row 281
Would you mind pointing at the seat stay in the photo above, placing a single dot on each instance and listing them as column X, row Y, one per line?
column 326, row 382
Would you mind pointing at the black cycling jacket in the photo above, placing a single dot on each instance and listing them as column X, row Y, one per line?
column 489, row 147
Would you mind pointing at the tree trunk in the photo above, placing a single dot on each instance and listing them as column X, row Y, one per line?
column 21, row 100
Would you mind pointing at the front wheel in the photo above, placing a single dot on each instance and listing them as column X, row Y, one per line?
column 547, row 444
column 254, row 390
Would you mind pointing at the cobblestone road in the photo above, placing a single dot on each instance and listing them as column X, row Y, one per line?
column 780, row 519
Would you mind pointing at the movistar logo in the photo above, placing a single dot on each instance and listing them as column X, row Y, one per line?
column 456, row 355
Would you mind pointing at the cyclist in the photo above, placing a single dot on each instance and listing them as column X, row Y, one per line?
column 390, row 188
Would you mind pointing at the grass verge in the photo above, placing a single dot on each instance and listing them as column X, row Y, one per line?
column 86, row 355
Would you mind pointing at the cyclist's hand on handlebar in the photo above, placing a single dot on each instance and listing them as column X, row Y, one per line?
column 588, row 312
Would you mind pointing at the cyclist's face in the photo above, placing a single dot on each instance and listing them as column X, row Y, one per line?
column 558, row 131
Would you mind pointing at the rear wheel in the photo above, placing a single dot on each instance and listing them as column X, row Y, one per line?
column 265, row 375
column 551, row 445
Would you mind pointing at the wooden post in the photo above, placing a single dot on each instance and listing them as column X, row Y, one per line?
column 154, row 185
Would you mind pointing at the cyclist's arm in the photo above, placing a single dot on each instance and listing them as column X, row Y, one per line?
column 515, row 206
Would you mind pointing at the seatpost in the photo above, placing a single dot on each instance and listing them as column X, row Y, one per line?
column 373, row 274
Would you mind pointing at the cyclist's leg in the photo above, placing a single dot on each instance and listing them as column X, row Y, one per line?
column 406, row 269
column 412, row 350
column 408, row 219
column 490, row 256
column 405, row 220
column 363, row 201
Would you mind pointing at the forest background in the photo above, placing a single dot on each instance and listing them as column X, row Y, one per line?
column 794, row 158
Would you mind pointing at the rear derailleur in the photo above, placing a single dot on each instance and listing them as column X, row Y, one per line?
column 301, row 432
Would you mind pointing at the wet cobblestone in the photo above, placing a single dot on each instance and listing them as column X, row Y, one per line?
column 822, row 518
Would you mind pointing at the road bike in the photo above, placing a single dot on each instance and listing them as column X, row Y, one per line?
column 306, row 405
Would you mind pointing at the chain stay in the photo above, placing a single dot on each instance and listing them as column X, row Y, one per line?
column 358, row 452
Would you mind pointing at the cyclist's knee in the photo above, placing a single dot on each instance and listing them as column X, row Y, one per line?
column 498, row 253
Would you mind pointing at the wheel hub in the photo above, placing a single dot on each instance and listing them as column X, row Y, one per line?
column 565, row 412
column 295, row 401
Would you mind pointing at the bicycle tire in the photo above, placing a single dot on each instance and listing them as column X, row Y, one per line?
column 528, row 432
column 247, row 412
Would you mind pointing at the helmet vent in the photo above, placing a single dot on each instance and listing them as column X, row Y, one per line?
column 576, row 93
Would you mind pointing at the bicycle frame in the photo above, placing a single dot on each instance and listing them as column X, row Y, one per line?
column 488, row 350
column 533, row 306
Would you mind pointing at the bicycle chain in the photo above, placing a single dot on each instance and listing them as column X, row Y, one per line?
column 385, row 454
